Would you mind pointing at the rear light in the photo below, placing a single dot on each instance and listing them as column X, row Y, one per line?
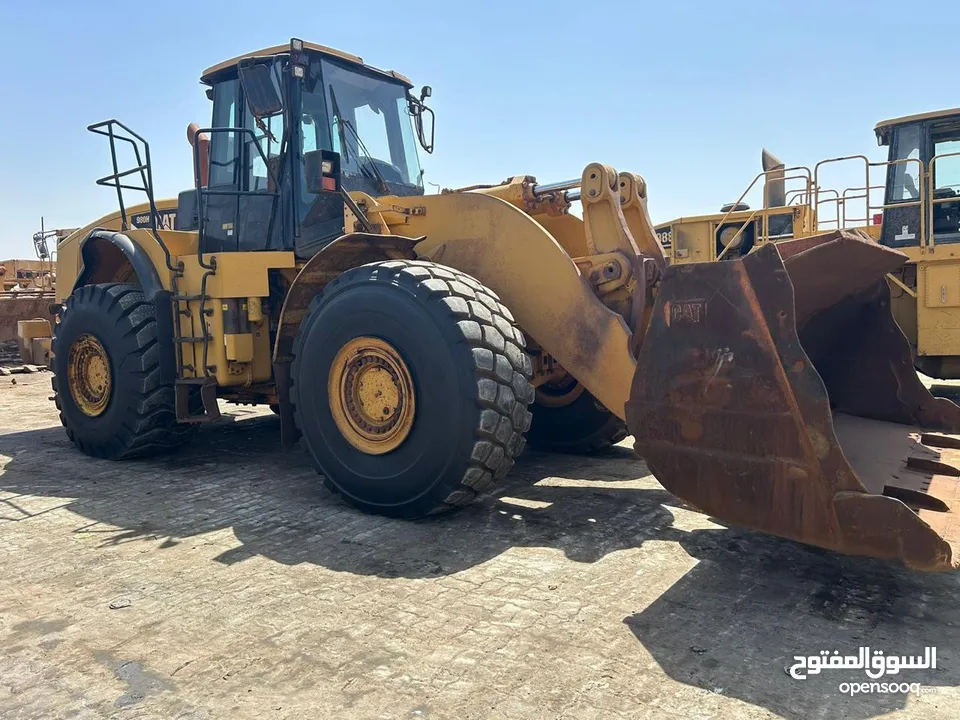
column 878, row 218
column 329, row 183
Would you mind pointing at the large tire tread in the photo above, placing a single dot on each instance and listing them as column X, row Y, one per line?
column 150, row 426
column 501, row 366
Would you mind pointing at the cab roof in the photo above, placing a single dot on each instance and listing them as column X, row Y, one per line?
column 933, row 115
column 208, row 74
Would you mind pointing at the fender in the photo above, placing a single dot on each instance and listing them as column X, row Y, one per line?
column 149, row 281
column 142, row 265
column 346, row 252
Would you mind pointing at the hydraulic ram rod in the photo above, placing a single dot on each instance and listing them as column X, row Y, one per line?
column 569, row 188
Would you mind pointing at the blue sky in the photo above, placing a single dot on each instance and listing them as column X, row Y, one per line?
column 684, row 93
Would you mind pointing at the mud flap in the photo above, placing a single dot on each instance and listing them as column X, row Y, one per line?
column 777, row 392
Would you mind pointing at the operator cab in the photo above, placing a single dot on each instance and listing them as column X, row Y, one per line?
column 922, row 195
column 269, row 183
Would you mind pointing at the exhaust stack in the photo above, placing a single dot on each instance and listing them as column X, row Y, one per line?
column 774, row 192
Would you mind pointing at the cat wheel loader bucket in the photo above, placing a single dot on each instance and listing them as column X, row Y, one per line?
column 777, row 393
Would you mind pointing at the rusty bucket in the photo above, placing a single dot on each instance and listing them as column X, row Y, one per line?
column 777, row 393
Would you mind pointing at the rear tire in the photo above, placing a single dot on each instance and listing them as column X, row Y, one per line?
column 457, row 395
column 106, row 375
column 572, row 421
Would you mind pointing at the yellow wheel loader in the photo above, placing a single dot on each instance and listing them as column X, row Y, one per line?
column 415, row 342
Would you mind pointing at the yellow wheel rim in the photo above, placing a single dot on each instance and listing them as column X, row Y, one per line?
column 560, row 393
column 88, row 375
column 371, row 395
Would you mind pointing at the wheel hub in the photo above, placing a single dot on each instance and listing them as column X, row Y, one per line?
column 88, row 375
column 371, row 395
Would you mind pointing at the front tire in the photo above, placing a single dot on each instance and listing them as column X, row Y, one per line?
column 106, row 375
column 410, row 388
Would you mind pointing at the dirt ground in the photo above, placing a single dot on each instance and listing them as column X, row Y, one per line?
column 225, row 582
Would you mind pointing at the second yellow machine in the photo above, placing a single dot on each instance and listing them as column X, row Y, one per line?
column 416, row 342
column 909, row 202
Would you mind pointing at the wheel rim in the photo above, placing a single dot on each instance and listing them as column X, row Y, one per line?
column 88, row 375
column 560, row 393
column 371, row 395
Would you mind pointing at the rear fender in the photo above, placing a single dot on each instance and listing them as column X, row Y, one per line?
column 110, row 256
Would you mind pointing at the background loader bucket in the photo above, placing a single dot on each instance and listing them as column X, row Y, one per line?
column 776, row 392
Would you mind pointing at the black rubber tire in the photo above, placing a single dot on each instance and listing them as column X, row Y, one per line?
column 580, row 428
column 140, row 418
column 470, row 372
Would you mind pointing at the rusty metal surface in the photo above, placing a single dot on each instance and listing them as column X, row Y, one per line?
column 731, row 404
column 832, row 266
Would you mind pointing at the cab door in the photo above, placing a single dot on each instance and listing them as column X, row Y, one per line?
column 903, row 196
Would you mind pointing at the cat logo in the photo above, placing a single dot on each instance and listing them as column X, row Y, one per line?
column 166, row 220
column 692, row 312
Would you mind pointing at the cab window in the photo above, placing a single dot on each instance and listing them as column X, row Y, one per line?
column 946, row 166
column 906, row 175
column 268, row 132
column 223, row 154
column 945, row 169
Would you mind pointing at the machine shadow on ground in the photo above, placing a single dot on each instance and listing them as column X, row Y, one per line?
column 732, row 624
column 236, row 475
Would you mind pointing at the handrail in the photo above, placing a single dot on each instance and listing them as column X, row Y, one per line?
column 146, row 176
column 739, row 200
column 202, row 192
column 764, row 226
column 868, row 165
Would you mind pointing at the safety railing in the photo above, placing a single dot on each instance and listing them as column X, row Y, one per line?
column 115, row 131
column 778, row 175
column 797, row 197
column 842, row 200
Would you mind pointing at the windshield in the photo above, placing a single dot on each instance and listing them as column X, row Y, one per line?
column 371, row 128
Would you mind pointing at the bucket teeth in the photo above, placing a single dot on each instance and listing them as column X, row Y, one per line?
column 915, row 499
column 935, row 440
column 932, row 466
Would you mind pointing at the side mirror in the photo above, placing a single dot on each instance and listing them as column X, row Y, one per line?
column 322, row 170
column 417, row 109
column 262, row 95
column 40, row 244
